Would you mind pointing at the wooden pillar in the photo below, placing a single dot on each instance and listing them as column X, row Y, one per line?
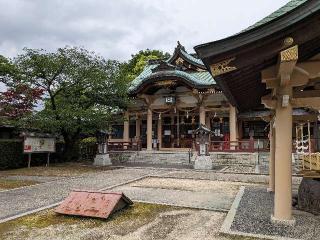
column 160, row 133
column 138, row 127
column 240, row 129
column 149, row 130
column 283, row 159
column 178, row 129
column 202, row 115
column 208, row 123
column 233, row 125
column 126, row 127
column 172, row 131
column 221, row 126
column 272, row 158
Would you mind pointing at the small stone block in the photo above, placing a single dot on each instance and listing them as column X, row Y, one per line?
column 102, row 160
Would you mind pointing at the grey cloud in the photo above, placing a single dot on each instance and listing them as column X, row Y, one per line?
column 118, row 28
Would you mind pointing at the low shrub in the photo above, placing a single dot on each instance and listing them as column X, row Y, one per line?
column 11, row 151
column 11, row 155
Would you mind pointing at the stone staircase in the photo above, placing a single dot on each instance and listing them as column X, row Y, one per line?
column 163, row 158
column 263, row 162
column 249, row 159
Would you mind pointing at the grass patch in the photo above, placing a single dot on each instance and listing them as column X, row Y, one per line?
column 122, row 222
column 10, row 184
column 55, row 170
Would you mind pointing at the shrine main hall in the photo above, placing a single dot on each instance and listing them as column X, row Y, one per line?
column 173, row 96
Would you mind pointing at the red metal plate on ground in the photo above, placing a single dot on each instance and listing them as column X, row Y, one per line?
column 93, row 203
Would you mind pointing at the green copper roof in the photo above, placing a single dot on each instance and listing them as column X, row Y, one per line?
column 201, row 79
column 278, row 13
column 191, row 58
column 195, row 78
column 180, row 50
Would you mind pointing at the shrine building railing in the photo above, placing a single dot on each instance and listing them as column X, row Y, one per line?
column 124, row 146
column 261, row 145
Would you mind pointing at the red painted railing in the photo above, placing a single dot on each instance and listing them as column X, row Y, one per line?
column 239, row 146
column 124, row 146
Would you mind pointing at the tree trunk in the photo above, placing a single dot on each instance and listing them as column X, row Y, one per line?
column 71, row 147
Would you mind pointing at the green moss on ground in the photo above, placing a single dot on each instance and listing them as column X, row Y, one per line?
column 123, row 221
column 10, row 184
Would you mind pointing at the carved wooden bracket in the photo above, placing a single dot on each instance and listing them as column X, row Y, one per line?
column 269, row 102
column 222, row 67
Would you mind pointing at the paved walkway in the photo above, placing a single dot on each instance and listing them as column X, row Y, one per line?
column 18, row 201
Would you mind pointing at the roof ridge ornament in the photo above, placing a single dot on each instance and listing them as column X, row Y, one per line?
column 222, row 67
column 288, row 41
column 180, row 46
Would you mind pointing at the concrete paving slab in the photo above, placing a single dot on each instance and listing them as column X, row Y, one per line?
column 201, row 194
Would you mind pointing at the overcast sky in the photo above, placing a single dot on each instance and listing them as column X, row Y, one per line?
column 118, row 28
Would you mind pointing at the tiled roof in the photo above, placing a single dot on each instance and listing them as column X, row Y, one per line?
column 202, row 79
column 278, row 13
column 191, row 58
column 188, row 57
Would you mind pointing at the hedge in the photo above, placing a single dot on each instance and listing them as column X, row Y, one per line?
column 11, row 155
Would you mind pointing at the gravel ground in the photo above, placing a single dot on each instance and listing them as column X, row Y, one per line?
column 153, row 223
column 21, row 200
column 253, row 216
column 240, row 169
column 176, row 166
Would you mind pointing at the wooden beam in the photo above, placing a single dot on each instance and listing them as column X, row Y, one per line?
column 306, row 94
column 311, row 68
column 308, row 102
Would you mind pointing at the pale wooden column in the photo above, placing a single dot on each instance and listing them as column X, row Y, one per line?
column 233, row 124
column 280, row 79
column 149, row 130
column 138, row 127
column 202, row 115
column 126, row 127
column 160, row 132
column 283, row 158
column 272, row 158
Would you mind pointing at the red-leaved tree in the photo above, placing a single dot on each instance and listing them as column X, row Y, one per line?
column 19, row 101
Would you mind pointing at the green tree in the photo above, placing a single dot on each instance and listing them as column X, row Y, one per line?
column 17, row 100
column 81, row 91
column 138, row 61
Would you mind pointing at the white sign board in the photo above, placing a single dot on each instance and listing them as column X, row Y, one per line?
column 38, row 144
column 167, row 132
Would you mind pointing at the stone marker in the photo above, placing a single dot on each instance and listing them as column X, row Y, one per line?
column 93, row 203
